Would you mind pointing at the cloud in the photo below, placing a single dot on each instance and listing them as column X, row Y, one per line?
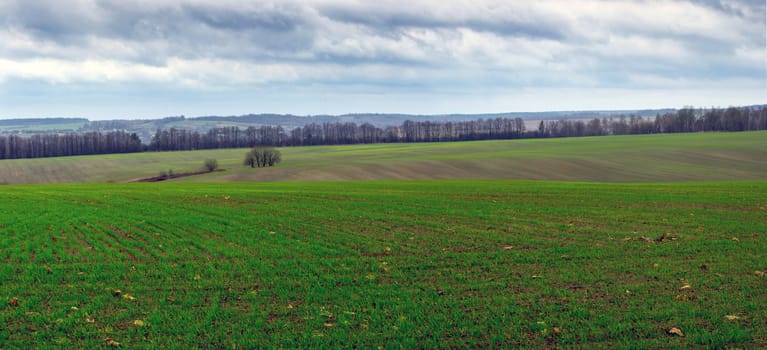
column 468, row 46
column 500, row 17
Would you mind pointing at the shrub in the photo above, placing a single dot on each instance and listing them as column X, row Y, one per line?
column 210, row 164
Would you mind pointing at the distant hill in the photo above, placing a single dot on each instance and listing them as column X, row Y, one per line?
column 41, row 125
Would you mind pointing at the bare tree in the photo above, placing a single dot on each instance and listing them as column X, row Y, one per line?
column 262, row 157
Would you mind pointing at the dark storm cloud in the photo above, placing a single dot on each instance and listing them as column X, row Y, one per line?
column 50, row 20
column 280, row 20
column 185, row 30
column 280, row 30
column 392, row 19
column 743, row 8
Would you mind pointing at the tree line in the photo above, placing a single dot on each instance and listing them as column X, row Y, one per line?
column 683, row 120
column 71, row 144
column 337, row 134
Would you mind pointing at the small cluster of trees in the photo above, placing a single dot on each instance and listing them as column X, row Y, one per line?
column 262, row 157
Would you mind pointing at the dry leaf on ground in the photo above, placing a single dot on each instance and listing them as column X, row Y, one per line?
column 675, row 331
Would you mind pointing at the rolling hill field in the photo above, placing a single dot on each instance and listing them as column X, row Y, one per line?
column 457, row 248
column 642, row 158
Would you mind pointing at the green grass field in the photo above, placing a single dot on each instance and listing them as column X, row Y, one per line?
column 424, row 264
column 641, row 158
column 467, row 256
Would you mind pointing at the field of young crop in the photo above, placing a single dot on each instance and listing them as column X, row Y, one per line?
column 425, row 264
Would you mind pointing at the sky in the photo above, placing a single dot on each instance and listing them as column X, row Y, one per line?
column 154, row 58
